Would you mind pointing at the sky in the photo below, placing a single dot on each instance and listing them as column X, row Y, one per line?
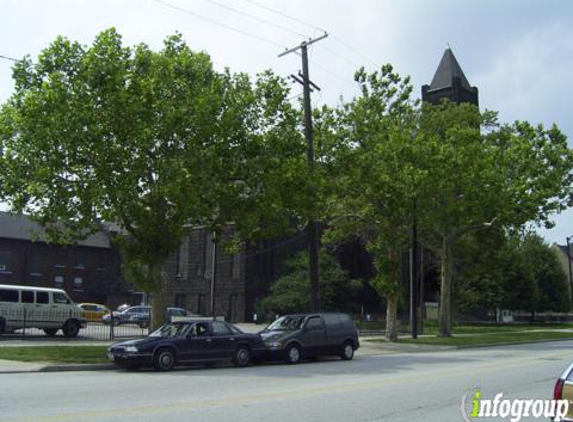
column 519, row 53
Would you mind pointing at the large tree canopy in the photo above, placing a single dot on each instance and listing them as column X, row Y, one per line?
column 449, row 167
column 152, row 141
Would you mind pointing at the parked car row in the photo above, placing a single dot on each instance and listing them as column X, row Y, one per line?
column 291, row 338
column 51, row 310
column 141, row 315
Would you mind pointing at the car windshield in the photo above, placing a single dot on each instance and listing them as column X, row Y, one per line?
column 286, row 323
column 171, row 330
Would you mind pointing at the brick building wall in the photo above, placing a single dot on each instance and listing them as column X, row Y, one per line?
column 89, row 271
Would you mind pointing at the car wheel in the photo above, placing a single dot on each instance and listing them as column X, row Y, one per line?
column 347, row 351
column 115, row 322
column 293, row 354
column 51, row 331
column 144, row 324
column 242, row 356
column 164, row 360
column 71, row 329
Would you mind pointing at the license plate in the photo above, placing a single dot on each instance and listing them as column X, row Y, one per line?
column 110, row 356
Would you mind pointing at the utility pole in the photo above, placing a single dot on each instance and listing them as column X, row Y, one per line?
column 312, row 229
column 213, row 272
column 568, row 239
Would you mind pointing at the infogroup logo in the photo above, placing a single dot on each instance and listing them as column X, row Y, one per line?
column 475, row 407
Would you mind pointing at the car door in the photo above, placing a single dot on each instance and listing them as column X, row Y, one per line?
column 314, row 335
column 224, row 340
column 196, row 345
column 61, row 309
column 334, row 332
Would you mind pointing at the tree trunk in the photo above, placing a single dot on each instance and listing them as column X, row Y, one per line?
column 446, row 289
column 392, row 319
column 159, row 296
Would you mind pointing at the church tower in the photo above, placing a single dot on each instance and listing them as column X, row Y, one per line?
column 449, row 82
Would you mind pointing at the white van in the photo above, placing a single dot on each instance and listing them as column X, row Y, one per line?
column 39, row 307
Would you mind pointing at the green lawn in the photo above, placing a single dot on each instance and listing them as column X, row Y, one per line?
column 59, row 354
column 489, row 338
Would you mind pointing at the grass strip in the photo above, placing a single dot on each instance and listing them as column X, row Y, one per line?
column 490, row 338
column 432, row 328
column 57, row 354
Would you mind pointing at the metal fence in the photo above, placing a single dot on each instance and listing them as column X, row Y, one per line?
column 64, row 325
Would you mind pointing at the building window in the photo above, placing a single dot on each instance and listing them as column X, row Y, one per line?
column 232, row 310
column 208, row 254
column 236, row 266
column 61, row 255
column 78, row 283
column 183, row 259
column 201, row 304
column 35, row 263
column 59, row 281
column 80, row 259
column 180, row 300
column 5, row 261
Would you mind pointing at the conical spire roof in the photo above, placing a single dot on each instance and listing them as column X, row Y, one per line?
column 448, row 69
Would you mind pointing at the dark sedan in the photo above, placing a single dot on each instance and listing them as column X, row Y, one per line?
column 188, row 342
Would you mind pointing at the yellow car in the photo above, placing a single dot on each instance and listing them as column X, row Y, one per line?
column 93, row 312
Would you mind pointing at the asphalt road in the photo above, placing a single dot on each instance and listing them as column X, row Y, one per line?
column 385, row 387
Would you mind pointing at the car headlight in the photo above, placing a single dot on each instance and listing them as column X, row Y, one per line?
column 131, row 349
column 274, row 344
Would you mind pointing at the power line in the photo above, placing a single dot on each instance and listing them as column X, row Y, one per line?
column 213, row 21
column 354, row 50
column 284, row 15
column 341, row 56
column 302, row 22
column 256, row 18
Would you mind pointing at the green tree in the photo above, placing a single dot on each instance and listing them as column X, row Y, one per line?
column 152, row 141
column 480, row 173
column 374, row 175
column 291, row 292
column 455, row 170
column 534, row 279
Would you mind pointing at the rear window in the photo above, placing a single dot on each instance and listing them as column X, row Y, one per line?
column 8, row 295
column 332, row 321
column 42, row 297
column 345, row 319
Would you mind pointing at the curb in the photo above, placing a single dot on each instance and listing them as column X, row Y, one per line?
column 78, row 367
column 425, row 348
column 62, row 368
column 510, row 343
